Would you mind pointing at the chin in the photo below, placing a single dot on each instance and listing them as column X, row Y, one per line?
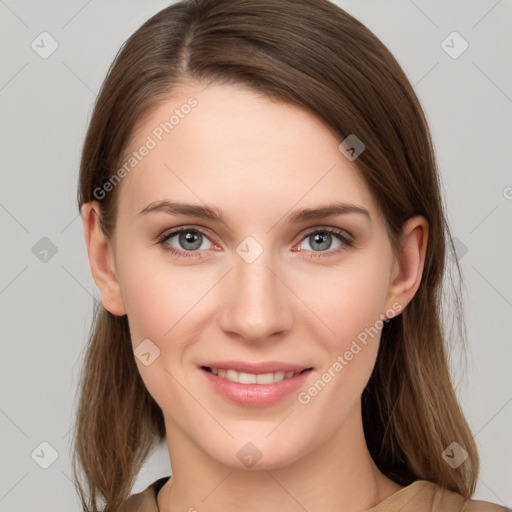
column 260, row 454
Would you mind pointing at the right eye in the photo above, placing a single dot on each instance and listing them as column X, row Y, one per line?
column 189, row 241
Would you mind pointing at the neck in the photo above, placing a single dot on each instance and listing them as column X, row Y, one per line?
column 336, row 475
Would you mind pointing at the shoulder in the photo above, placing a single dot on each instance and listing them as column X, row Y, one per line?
column 484, row 506
column 446, row 500
column 145, row 501
column 426, row 496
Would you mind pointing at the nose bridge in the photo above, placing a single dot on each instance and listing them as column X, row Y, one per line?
column 256, row 305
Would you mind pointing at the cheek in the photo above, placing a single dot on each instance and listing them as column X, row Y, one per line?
column 353, row 297
column 159, row 301
column 147, row 305
column 165, row 303
column 156, row 294
column 352, row 309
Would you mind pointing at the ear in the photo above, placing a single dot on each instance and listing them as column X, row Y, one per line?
column 408, row 266
column 101, row 259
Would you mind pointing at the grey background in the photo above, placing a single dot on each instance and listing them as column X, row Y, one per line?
column 46, row 306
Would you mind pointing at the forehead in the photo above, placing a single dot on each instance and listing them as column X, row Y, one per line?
column 229, row 146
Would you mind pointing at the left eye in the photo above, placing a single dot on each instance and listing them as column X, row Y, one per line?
column 321, row 241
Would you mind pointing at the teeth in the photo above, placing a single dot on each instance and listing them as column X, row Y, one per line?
column 251, row 378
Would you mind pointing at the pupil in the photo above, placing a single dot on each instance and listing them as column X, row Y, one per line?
column 323, row 239
column 190, row 237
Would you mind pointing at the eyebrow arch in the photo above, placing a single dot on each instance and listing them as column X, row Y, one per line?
column 212, row 213
column 193, row 210
column 326, row 211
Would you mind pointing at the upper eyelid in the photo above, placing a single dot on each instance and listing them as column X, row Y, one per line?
column 176, row 231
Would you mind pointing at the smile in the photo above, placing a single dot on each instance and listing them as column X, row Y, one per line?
column 252, row 378
column 259, row 388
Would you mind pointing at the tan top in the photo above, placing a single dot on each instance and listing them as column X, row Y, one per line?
column 420, row 496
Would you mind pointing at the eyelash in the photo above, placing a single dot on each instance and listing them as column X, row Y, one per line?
column 346, row 240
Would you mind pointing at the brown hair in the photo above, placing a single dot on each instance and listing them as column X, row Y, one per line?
column 314, row 54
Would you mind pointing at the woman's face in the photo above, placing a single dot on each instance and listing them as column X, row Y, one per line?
column 268, row 288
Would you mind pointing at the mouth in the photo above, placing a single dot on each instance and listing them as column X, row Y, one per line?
column 242, row 377
column 255, row 384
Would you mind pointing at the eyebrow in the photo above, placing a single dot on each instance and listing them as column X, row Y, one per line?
column 215, row 214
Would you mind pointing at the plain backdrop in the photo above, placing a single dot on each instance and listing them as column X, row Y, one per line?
column 46, row 288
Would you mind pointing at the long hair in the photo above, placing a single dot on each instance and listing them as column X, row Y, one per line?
column 313, row 54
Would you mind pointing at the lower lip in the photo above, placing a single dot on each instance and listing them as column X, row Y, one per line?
column 256, row 395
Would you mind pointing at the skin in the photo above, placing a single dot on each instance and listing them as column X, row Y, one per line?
column 255, row 159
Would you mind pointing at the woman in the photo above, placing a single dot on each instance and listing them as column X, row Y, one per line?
column 263, row 220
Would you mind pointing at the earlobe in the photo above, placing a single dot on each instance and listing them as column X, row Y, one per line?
column 410, row 262
column 101, row 260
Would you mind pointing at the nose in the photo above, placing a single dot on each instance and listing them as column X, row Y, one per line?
column 255, row 302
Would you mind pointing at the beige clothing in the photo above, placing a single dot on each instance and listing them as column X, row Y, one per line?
column 420, row 496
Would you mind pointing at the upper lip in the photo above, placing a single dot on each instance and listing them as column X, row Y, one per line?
column 256, row 368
